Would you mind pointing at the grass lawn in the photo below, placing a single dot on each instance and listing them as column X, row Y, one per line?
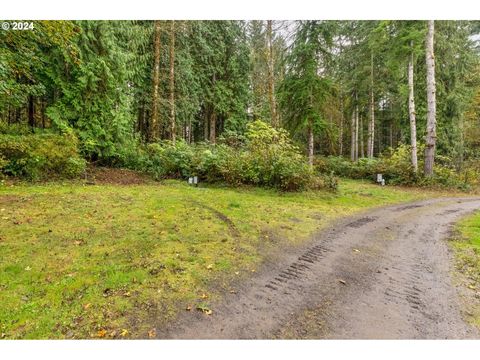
column 110, row 261
column 467, row 250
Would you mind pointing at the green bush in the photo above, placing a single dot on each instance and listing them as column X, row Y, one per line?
column 396, row 168
column 40, row 156
column 264, row 156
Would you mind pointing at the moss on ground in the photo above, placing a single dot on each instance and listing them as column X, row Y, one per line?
column 466, row 245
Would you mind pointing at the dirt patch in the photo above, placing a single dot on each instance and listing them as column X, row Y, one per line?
column 360, row 222
column 221, row 216
column 408, row 207
column 9, row 199
column 103, row 175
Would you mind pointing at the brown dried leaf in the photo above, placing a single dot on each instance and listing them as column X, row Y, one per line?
column 152, row 333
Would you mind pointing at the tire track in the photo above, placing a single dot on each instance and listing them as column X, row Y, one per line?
column 384, row 274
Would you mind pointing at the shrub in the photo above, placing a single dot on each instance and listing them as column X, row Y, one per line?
column 396, row 167
column 41, row 156
column 264, row 157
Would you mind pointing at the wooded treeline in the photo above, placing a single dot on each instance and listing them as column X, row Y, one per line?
column 348, row 88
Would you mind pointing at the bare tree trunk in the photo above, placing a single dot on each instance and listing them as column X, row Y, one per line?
column 411, row 112
column 31, row 112
column 362, row 145
column 154, row 125
column 352, row 143
column 391, row 134
column 213, row 125
column 371, row 124
column 431, row 102
column 310, row 142
column 340, row 135
column 42, row 114
column 356, row 132
column 172, row 82
column 271, row 76
column 205, row 125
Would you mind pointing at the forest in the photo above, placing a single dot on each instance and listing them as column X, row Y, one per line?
column 218, row 179
column 257, row 102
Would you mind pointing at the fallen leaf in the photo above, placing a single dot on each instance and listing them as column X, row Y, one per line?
column 188, row 308
column 204, row 296
column 101, row 333
column 152, row 333
column 342, row 282
column 253, row 270
column 124, row 333
column 210, row 267
column 356, row 250
column 86, row 306
column 472, row 287
column 232, row 291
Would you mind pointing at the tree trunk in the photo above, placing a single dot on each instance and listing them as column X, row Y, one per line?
column 340, row 136
column 172, row 82
column 411, row 112
column 43, row 113
column 205, row 125
column 371, row 124
column 356, row 132
column 213, row 125
column 310, row 142
column 271, row 77
column 362, row 145
column 352, row 142
column 31, row 112
column 431, row 102
column 154, row 125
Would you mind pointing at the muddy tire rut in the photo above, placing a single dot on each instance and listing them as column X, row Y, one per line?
column 384, row 274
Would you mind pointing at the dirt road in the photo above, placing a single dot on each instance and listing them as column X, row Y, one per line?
column 380, row 275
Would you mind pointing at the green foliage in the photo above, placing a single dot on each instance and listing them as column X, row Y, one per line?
column 395, row 166
column 264, row 157
column 40, row 157
column 304, row 91
column 94, row 93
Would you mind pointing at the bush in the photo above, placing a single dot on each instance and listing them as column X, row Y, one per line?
column 396, row 167
column 38, row 157
column 269, row 158
column 264, row 157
